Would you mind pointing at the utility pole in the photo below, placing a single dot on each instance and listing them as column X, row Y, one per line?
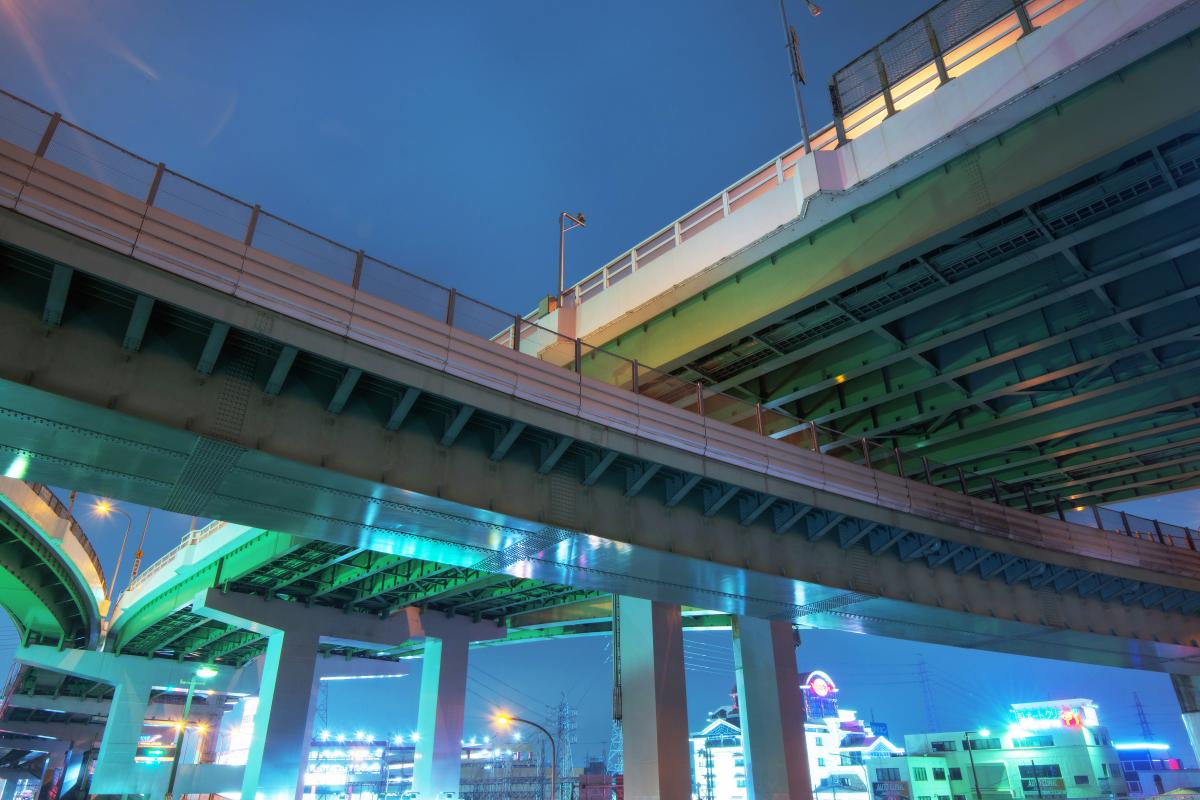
column 793, row 46
column 616, row 739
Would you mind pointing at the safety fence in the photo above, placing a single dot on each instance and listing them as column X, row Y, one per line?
column 152, row 213
column 63, row 512
column 189, row 539
column 949, row 40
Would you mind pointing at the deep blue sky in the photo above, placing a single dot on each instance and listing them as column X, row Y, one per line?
column 445, row 137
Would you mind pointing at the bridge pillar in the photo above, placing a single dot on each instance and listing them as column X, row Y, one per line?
column 132, row 678
column 771, row 709
column 440, row 714
column 655, row 729
column 1187, row 692
column 290, row 671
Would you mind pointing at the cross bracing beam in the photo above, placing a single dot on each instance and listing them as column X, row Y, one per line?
column 944, row 294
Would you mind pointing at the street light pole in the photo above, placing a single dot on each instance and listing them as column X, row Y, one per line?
column 577, row 221
column 104, row 508
column 505, row 719
column 971, row 756
column 202, row 673
column 793, row 46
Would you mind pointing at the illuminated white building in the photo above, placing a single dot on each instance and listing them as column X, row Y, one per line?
column 838, row 745
column 1054, row 750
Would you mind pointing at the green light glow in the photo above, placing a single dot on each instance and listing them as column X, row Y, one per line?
column 18, row 467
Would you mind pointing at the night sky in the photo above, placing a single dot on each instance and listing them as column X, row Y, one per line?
column 445, row 137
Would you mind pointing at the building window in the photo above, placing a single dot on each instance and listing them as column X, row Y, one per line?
column 919, row 774
column 960, row 797
column 956, row 773
column 1104, row 770
column 820, row 762
column 1034, row 741
column 944, row 746
column 887, row 774
column 943, row 797
column 1081, row 780
column 741, row 783
column 819, row 741
column 939, row 774
column 991, row 743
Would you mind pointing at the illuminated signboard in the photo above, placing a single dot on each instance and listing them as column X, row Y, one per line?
column 820, row 695
column 1056, row 714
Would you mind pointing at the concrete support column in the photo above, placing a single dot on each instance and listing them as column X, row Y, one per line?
column 10, row 789
column 118, row 747
column 772, row 710
column 283, row 724
column 1187, row 692
column 657, row 762
column 438, row 766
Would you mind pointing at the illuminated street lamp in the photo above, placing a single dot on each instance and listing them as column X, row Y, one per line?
column 504, row 720
column 203, row 673
column 577, row 221
column 793, row 46
column 103, row 508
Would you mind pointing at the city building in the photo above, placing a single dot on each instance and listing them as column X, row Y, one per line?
column 365, row 767
column 1149, row 769
column 1053, row 750
column 839, row 744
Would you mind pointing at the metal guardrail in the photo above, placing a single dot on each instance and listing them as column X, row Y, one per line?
column 226, row 234
column 189, row 539
column 63, row 512
column 949, row 40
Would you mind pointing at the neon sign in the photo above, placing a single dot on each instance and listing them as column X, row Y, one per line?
column 819, row 684
column 1070, row 714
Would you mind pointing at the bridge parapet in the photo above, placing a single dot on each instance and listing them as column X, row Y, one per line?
column 70, row 569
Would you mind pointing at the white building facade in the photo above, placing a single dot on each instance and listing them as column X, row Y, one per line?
column 1054, row 750
column 839, row 745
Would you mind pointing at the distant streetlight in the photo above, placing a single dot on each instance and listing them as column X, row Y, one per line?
column 203, row 673
column 793, row 46
column 504, row 720
column 577, row 221
column 104, row 508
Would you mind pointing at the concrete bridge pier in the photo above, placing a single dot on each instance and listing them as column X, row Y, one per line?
column 291, row 668
column 132, row 679
column 657, row 762
column 437, row 771
column 771, row 709
column 1187, row 692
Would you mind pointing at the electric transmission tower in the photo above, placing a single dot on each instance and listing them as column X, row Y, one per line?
column 566, row 738
column 615, row 763
column 927, row 694
column 1147, row 732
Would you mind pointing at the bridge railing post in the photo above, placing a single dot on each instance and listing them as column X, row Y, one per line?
column 578, row 357
column 885, row 87
column 758, row 418
column 1096, row 516
column 925, row 467
column 812, row 429
column 962, row 481
column 251, row 225
column 700, row 398
column 939, row 59
column 48, row 134
column 1028, row 498
column 839, row 124
column 1191, row 540
column 516, row 337
column 1023, row 17
column 358, row 265
column 866, row 452
column 1125, row 523
column 996, row 492
column 1058, row 507
column 450, row 306
column 634, row 369
column 152, row 195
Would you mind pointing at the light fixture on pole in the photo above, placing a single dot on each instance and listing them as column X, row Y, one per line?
column 793, row 46
column 577, row 221
column 203, row 673
column 504, row 720
column 104, row 508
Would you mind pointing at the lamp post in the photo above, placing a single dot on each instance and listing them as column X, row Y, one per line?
column 505, row 720
column 577, row 221
column 104, row 508
column 793, row 46
column 203, row 673
column 971, row 757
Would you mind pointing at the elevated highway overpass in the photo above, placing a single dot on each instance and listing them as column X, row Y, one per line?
column 426, row 453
